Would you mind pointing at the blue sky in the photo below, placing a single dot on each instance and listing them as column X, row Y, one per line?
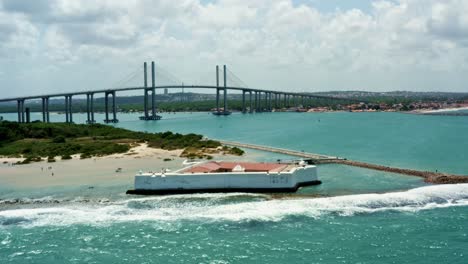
column 294, row 45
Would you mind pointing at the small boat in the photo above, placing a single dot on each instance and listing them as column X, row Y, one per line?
column 220, row 112
column 227, row 176
column 223, row 113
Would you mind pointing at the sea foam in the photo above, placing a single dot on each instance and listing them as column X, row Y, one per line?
column 229, row 207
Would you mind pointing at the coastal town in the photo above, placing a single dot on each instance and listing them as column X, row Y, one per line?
column 414, row 107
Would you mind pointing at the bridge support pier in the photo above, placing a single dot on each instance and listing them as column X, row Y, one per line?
column 225, row 110
column 20, row 106
column 70, row 114
column 282, row 100
column 269, row 102
column 23, row 114
column 66, row 109
column 43, row 99
column 243, row 102
column 250, row 102
column 257, row 101
column 114, row 110
column 153, row 100
column 145, row 93
column 217, row 89
column 145, row 105
column 217, row 100
column 153, row 91
column 146, row 90
column 276, row 101
column 114, row 113
column 47, row 110
column 88, row 115
column 90, row 108
column 106, row 107
column 28, row 115
column 18, row 110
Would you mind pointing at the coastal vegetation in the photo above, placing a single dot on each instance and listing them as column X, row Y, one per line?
column 203, row 153
column 34, row 141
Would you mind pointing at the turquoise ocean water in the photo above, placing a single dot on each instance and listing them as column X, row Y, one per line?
column 362, row 216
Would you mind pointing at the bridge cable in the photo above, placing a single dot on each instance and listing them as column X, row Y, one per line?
column 165, row 75
column 236, row 80
column 129, row 77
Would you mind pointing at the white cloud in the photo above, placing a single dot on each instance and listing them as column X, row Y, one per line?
column 18, row 36
column 426, row 37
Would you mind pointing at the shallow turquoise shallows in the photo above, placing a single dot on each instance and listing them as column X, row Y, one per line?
column 355, row 216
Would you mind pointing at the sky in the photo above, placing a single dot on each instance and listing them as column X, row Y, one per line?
column 49, row 46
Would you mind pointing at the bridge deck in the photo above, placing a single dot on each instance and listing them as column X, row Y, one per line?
column 247, row 89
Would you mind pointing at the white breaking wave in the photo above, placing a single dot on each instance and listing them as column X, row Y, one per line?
column 217, row 207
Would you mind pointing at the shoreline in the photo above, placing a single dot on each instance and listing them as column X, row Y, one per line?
column 442, row 111
column 438, row 111
column 115, row 168
column 96, row 170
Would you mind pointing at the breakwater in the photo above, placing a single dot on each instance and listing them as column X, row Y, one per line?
column 429, row 177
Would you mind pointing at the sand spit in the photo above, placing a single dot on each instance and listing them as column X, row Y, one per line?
column 439, row 111
column 114, row 169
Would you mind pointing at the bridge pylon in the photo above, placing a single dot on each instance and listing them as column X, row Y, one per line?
column 225, row 111
column 146, row 112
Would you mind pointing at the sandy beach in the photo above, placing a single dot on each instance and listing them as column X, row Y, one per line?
column 440, row 110
column 92, row 171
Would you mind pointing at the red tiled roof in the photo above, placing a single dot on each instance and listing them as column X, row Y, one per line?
column 213, row 166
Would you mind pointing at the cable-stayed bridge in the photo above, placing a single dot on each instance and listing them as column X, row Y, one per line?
column 253, row 99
